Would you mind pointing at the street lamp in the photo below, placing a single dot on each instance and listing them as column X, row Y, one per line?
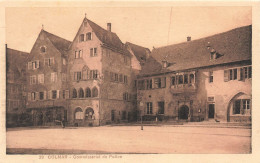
column 141, row 105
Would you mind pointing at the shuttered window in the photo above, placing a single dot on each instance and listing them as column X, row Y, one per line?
column 226, row 75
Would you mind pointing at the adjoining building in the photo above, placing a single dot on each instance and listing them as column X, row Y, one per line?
column 15, row 85
column 208, row 78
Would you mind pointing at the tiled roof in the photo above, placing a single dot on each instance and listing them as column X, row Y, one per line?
column 60, row 43
column 231, row 46
column 139, row 51
column 16, row 60
column 108, row 38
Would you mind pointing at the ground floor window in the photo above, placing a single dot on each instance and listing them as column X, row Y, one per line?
column 89, row 114
column 161, row 107
column 149, row 108
column 241, row 106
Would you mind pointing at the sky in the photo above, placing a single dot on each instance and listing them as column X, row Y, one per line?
column 145, row 26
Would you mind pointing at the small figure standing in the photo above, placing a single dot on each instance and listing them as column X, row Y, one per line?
column 63, row 123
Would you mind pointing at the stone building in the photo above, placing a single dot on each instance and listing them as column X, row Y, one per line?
column 208, row 78
column 15, row 81
column 46, row 71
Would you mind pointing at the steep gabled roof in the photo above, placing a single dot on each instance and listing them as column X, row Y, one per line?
column 141, row 53
column 60, row 43
column 16, row 60
column 231, row 46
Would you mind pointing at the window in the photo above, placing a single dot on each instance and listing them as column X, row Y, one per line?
column 116, row 77
column 49, row 61
column 81, row 93
column 74, row 93
column 149, row 108
column 120, row 78
column 94, row 74
column 94, row 92
column 54, row 77
column 88, row 92
column 41, row 94
column 77, row 76
column 211, row 76
column 33, row 79
column 81, row 38
column 157, row 83
column 89, row 36
column 125, row 96
column 173, row 81
column 54, row 94
column 192, row 79
column 41, row 78
column 149, row 84
column 112, row 76
column 93, row 52
column 64, row 94
column 78, row 114
column 180, row 79
column 161, row 107
column 33, row 65
column 124, row 115
column 241, row 106
column 43, row 49
column 238, row 73
column 141, row 85
column 125, row 79
column 185, row 78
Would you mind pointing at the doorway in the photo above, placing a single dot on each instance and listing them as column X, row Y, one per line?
column 112, row 115
column 211, row 110
column 184, row 112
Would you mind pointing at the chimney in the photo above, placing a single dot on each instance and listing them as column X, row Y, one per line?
column 188, row 38
column 109, row 27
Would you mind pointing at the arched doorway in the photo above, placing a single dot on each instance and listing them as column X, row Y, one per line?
column 89, row 114
column 183, row 112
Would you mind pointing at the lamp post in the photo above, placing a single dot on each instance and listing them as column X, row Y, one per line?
column 141, row 105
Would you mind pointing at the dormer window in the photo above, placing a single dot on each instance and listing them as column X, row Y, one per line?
column 43, row 49
column 165, row 64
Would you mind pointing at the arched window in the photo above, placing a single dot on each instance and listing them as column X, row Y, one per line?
column 78, row 113
column 43, row 49
column 94, row 92
column 89, row 114
column 74, row 93
column 81, row 93
column 88, row 92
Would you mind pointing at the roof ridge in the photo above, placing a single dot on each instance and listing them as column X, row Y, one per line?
column 55, row 35
column 137, row 45
column 185, row 42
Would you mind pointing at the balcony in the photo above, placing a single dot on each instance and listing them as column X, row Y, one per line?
column 183, row 88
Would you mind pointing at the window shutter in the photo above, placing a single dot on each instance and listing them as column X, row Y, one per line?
column 58, row 94
column 29, row 97
column 67, row 94
column 226, row 75
column 49, row 95
column 44, row 95
column 37, row 95
column 239, row 77
column 163, row 84
column 38, row 63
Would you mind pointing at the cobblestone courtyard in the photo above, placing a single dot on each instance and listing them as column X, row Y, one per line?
column 130, row 139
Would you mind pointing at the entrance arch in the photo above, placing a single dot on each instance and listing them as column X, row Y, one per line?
column 184, row 112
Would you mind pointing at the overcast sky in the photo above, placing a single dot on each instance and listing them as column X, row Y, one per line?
column 146, row 26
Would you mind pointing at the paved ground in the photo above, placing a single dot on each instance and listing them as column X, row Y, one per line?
column 129, row 139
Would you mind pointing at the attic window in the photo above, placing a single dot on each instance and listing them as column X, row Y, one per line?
column 43, row 49
column 89, row 36
column 81, row 38
column 165, row 64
